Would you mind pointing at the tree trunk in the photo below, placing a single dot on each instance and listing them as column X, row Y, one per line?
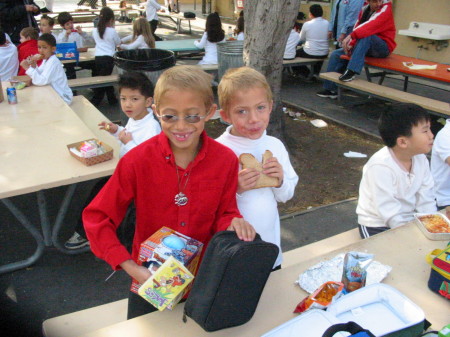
column 267, row 27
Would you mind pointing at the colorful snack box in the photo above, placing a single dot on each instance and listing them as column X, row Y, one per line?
column 163, row 244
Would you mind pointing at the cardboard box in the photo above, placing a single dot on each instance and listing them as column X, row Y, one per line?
column 166, row 243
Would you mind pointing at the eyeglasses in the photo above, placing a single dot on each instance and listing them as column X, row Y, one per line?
column 189, row 118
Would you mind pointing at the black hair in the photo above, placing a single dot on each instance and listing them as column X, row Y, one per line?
column 2, row 37
column 106, row 15
column 64, row 17
column 136, row 81
column 49, row 38
column 214, row 28
column 240, row 25
column 398, row 121
column 316, row 10
column 298, row 26
column 50, row 20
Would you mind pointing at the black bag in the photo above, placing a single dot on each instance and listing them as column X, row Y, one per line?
column 189, row 15
column 230, row 281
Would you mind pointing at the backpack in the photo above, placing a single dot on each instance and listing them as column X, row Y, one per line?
column 189, row 15
column 230, row 281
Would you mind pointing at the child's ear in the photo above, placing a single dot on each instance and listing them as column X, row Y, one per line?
column 211, row 112
column 402, row 142
column 224, row 115
column 149, row 102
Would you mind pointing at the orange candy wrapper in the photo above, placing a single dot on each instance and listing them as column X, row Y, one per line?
column 321, row 298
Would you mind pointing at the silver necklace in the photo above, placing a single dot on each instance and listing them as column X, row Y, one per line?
column 180, row 198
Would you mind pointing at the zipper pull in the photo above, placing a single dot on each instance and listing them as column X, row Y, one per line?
column 184, row 316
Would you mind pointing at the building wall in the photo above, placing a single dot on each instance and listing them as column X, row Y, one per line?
column 405, row 11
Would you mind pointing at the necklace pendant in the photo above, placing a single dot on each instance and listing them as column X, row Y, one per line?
column 181, row 199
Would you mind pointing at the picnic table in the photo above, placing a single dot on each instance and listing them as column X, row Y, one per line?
column 35, row 158
column 403, row 248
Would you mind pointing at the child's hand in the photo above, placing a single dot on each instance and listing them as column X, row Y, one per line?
column 139, row 273
column 243, row 229
column 25, row 64
column 247, row 179
column 36, row 57
column 68, row 32
column 125, row 136
column 273, row 169
column 110, row 127
column 79, row 30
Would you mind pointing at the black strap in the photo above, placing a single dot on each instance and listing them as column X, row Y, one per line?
column 351, row 327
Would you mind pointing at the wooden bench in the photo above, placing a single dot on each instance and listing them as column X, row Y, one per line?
column 386, row 93
column 93, row 82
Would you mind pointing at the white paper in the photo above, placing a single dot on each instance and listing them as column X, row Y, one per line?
column 351, row 154
column 318, row 123
column 413, row 66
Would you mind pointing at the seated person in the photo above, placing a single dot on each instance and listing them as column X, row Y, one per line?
column 124, row 12
column 46, row 25
column 142, row 37
column 239, row 30
column 51, row 70
column 28, row 46
column 397, row 181
column 440, row 166
column 314, row 36
column 292, row 43
column 373, row 35
column 9, row 60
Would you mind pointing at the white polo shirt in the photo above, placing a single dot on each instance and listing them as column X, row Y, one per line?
column 439, row 168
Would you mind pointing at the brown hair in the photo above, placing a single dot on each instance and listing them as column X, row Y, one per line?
column 142, row 27
column 240, row 79
column 185, row 78
column 29, row 32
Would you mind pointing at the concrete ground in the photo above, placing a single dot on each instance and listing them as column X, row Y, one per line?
column 58, row 284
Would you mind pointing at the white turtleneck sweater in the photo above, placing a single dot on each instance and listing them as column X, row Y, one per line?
column 259, row 206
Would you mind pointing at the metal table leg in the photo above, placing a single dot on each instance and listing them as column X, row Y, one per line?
column 59, row 221
column 33, row 231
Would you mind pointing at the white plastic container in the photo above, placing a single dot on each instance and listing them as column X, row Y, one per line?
column 430, row 235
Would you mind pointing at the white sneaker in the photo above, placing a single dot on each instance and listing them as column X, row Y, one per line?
column 76, row 242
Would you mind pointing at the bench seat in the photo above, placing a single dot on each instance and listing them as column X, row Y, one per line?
column 93, row 82
column 389, row 94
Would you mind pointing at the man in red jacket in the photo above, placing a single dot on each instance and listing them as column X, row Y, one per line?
column 373, row 35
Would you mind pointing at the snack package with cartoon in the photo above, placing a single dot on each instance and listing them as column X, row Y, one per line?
column 355, row 270
column 162, row 245
column 166, row 284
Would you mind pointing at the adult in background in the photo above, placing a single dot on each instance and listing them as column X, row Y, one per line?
column 16, row 15
column 343, row 17
column 373, row 35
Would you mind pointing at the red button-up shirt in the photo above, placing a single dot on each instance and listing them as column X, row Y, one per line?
column 147, row 174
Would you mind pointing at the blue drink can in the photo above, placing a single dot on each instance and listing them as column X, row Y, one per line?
column 12, row 95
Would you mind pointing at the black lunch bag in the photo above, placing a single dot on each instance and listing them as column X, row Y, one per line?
column 189, row 15
column 230, row 281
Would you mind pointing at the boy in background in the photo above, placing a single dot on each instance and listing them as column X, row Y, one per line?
column 46, row 25
column 246, row 103
column 396, row 180
column 180, row 178
column 136, row 98
column 440, row 167
column 9, row 60
column 51, row 70
column 28, row 46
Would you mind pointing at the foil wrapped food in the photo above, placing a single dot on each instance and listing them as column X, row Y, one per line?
column 331, row 270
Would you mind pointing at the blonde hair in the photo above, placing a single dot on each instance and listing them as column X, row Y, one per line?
column 142, row 27
column 242, row 78
column 185, row 78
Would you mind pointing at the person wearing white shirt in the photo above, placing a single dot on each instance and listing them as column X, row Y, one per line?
column 151, row 9
column 142, row 37
column 213, row 34
column 9, row 58
column 291, row 44
column 396, row 180
column 246, row 103
column 51, row 70
column 106, row 42
column 440, row 166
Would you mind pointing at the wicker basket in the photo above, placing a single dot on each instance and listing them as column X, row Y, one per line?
column 108, row 155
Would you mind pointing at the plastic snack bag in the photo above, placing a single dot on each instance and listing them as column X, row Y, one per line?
column 321, row 298
column 355, row 270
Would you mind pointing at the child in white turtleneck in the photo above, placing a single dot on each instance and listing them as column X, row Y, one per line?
column 246, row 102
